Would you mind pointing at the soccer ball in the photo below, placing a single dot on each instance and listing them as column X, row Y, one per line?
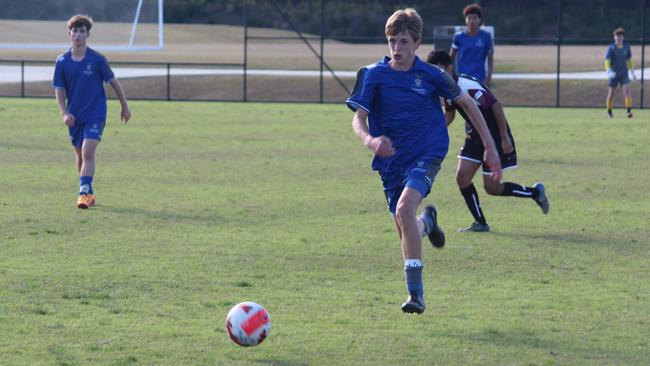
column 248, row 324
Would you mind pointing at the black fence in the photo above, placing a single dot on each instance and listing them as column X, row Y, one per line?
column 546, row 53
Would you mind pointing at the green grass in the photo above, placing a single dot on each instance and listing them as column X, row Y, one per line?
column 204, row 205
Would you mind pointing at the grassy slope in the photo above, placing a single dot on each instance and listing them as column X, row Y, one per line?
column 203, row 205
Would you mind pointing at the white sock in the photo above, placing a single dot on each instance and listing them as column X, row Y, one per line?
column 422, row 228
column 412, row 263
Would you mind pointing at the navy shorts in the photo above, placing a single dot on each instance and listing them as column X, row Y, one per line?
column 419, row 176
column 620, row 78
column 474, row 153
column 473, row 149
column 88, row 130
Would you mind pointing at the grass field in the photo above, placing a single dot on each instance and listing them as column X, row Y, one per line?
column 204, row 205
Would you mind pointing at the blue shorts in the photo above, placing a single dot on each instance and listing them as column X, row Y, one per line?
column 419, row 176
column 88, row 130
column 620, row 78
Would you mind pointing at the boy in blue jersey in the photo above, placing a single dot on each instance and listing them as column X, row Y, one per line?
column 471, row 47
column 399, row 96
column 618, row 61
column 79, row 75
column 470, row 155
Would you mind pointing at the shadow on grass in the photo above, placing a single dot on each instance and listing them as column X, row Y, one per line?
column 32, row 147
column 564, row 238
column 281, row 362
column 529, row 339
column 207, row 218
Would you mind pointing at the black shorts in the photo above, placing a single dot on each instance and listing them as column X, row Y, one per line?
column 473, row 148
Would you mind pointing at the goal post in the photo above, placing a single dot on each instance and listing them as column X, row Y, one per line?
column 161, row 28
column 120, row 25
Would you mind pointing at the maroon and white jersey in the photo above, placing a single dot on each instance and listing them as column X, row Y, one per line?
column 475, row 89
column 481, row 95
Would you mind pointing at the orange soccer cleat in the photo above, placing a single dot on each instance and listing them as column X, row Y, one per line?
column 83, row 201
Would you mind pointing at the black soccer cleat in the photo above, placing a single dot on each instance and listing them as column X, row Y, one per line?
column 435, row 233
column 541, row 198
column 476, row 227
column 414, row 304
column 630, row 115
column 609, row 113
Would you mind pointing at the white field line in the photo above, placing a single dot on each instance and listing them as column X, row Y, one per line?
column 12, row 73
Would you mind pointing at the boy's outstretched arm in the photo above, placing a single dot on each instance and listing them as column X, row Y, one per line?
column 125, row 115
column 490, row 156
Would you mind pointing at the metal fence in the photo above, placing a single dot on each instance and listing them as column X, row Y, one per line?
column 303, row 60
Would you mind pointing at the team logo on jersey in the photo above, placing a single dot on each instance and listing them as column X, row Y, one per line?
column 89, row 70
column 418, row 85
column 479, row 43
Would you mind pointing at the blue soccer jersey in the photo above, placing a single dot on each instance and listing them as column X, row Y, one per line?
column 405, row 107
column 472, row 51
column 618, row 57
column 83, row 83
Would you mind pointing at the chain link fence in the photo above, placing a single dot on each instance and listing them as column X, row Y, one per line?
column 546, row 53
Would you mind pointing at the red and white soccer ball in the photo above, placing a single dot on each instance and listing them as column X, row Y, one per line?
column 248, row 324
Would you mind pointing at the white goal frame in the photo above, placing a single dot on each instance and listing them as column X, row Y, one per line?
column 130, row 46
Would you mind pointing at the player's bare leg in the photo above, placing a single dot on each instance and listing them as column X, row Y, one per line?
column 610, row 101
column 628, row 100
column 86, row 196
column 537, row 192
column 78, row 158
column 407, row 225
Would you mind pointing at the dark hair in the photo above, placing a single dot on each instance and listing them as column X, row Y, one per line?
column 80, row 20
column 618, row 31
column 473, row 9
column 439, row 57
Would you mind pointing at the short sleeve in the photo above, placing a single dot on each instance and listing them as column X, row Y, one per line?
column 105, row 70
column 58, row 81
column 628, row 55
column 363, row 94
column 445, row 86
column 455, row 42
column 490, row 43
column 485, row 98
column 608, row 55
column 449, row 105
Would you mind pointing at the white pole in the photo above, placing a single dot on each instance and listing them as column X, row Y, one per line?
column 135, row 23
column 160, row 24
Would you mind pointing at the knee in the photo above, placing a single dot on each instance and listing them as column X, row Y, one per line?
column 88, row 154
column 403, row 212
column 463, row 180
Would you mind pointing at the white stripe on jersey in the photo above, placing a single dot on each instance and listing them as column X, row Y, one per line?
column 477, row 89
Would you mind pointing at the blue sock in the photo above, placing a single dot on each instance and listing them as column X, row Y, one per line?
column 413, row 271
column 86, row 185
